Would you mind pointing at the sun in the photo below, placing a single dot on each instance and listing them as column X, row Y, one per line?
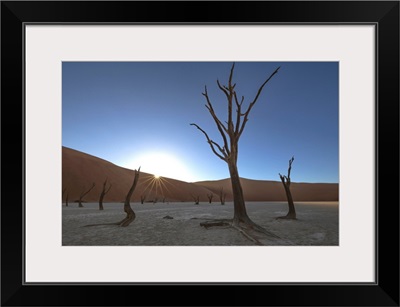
column 161, row 164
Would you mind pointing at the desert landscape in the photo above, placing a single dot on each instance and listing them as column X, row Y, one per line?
column 147, row 114
column 178, row 224
column 170, row 215
column 80, row 171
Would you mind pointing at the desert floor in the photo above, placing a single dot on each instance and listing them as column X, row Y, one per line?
column 317, row 224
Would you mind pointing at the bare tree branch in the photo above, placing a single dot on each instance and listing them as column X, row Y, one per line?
column 224, row 155
column 290, row 166
column 262, row 86
column 246, row 114
column 228, row 91
column 238, row 112
column 84, row 193
column 231, row 90
column 104, row 187
column 231, row 74
column 220, row 125
column 221, row 128
column 222, row 88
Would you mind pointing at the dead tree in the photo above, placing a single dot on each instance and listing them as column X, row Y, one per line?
column 130, row 214
column 210, row 197
column 83, row 194
column 104, row 191
column 66, row 197
column 286, row 184
column 230, row 131
column 222, row 196
column 62, row 195
column 196, row 199
column 142, row 199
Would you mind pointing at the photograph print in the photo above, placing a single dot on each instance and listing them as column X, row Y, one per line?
column 200, row 154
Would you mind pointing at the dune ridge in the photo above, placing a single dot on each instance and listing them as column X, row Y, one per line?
column 80, row 170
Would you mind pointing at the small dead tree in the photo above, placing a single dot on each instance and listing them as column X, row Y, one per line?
column 210, row 197
column 130, row 214
column 286, row 184
column 66, row 197
column 231, row 131
column 222, row 196
column 83, row 194
column 196, row 199
column 62, row 194
column 104, row 191
column 142, row 199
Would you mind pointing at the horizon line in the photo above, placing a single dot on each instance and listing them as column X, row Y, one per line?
column 203, row 180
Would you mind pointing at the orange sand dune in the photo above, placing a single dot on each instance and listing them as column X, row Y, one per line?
column 80, row 170
column 263, row 190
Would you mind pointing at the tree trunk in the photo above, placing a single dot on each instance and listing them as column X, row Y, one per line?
column 62, row 196
column 101, row 201
column 240, row 213
column 286, row 181
column 292, row 211
column 222, row 196
column 130, row 214
column 104, row 191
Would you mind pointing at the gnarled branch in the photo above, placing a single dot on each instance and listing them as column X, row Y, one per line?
column 246, row 114
column 224, row 155
column 83, row 194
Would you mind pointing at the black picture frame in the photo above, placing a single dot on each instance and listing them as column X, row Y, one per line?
column 383, row 14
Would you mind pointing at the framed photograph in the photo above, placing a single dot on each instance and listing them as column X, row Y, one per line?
column 123, row 172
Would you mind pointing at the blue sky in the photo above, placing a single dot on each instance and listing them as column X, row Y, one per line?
column 139, row 113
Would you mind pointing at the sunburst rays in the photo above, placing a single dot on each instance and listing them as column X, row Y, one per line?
column 156, row 187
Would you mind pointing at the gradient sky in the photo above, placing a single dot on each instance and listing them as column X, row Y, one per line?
column 139, row 113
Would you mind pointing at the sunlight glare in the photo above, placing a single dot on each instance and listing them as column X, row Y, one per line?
column 161, row 164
